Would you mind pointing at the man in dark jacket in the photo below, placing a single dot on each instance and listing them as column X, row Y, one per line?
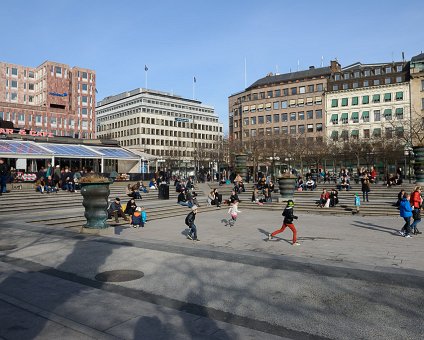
column 287, row 222
column 115, row 210
column 4, row 174
column 189, row 221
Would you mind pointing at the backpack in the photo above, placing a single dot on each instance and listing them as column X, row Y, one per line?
column 187, row 220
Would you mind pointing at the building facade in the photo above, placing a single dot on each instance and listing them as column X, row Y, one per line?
column 52, row 97
column 417, row 97
column 281, row 106
column 368, row 101
column 163, row 125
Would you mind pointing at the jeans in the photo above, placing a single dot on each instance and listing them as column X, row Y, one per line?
column 365, row 195
column 406, row 227
column 185, row 204
column 416, row 221
column 193, row 231
column 3, row 180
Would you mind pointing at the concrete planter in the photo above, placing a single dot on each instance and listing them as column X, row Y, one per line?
column 95, row 202
column 286, row 187
column 241, row 165
column 419, row 164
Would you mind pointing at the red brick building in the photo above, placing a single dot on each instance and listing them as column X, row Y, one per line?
column 52, row 97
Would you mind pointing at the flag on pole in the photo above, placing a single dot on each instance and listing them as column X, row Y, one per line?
column 96, row 90
column 194, row 79
column 145, row 68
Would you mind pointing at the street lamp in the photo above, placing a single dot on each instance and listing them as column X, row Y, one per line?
column 408, row 151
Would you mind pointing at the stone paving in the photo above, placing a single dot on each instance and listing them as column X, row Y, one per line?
column 351, row 277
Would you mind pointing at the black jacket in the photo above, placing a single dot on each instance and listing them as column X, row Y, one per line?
column 4, row 169
column 234, row 198
column 189, row 220
column 288, row 215
column 181, row 197
column 130, row 208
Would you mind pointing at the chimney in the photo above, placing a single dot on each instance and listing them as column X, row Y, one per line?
column 311, row 67
column 335, row 66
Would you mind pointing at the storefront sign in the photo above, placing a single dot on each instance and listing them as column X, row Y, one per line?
column 24, row 132
column 64, row 94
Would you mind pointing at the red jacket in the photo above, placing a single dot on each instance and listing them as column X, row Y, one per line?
column 415, row 199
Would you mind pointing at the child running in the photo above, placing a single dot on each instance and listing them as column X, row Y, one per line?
column 288, row 222
column 357, row 202
column 233, row 211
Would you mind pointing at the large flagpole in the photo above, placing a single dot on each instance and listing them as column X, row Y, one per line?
column 145, row 76
column 194, row 87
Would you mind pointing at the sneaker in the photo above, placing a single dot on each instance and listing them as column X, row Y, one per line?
column 269, row 237
column 296, row 244
column 417, row 232
column 196, row 239
column 401, row 233
column 408, row 236
column 189, row 237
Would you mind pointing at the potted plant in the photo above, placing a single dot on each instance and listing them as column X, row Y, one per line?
column 95, row 192
column 286, row 185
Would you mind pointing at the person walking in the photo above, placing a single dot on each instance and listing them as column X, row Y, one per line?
column 287, row 222
column 233, row 211
column 406, row 213
column 357, row 203
column 189, row 221
column 416, row 203
column 4, row 174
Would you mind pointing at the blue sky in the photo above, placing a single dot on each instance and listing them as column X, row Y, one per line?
column 206, row 39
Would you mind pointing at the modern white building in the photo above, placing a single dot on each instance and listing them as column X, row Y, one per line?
column 367, row 112
column 161, row 124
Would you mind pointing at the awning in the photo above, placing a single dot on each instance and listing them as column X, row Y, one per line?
column 399, row 111
column 318, row 99
column 354, row 100
column 334, row 134
column 387, row 96
column 268, row 105
column 245, row 108
column 292, row 102
column 71, row 150
column 344, row 101
column 365, row 99
column 300, row 101
column 345, row 133
column 355, row 115
column 334, row 117
column 365, row 114
column 376, row 97
column 309, row 100
column 387, row 112
column 399, row 95
column 253, row 107
column 354, row 133
column 345, row 115
column 115, row 153
column 23, row 148
column 260, row 106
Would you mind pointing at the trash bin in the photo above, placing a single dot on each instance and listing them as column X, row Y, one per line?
column 163, row 192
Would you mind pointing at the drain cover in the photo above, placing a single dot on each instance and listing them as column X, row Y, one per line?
column 4, row 247
column 122, row 275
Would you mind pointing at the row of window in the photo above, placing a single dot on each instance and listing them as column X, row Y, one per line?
column 376, row 98
column 283, row 117
column 168, row 143
column 283, row 130
column 366, row 133
column 365, row 83
column 365, row 116
column 367, row 72
column 40, row 119
column 284, row 104
column 282, row 92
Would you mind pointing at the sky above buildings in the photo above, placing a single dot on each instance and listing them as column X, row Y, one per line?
column 208, row 40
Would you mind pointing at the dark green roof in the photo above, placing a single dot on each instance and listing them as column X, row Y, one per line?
column 299, row 75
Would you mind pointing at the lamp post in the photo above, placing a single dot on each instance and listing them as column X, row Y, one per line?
column 407, row 152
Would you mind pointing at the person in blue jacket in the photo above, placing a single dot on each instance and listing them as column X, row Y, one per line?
column 138, row 218
column 406, row 213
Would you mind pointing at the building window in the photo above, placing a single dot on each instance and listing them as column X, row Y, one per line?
column 387, row 81
column 284, row 104
column 346, row 76
column 310, row 128
column 84, row 87
column 13, row 96
column 356, row 74
column 367, row 73
column 246, row 133
column 377, row 71
column 14, row 84
column 355, row 100
column 84, row 111
column 318, row 127
column 301, row 129
column 276, row 118
column 53, row 120
column 335, row 87
column 345, row 118
column 355, row 85
column 84, row 75
column 301, row 115
column 84, row 99
column 422, row 85
column 366, row 133
column 376, row 98
column 260, row 119
column 365, row 99
column 38, row 119
column 399, row 112
column 310, row 114
column 387, row 97
column 253, row 121
column 388, row 69
column 31, row 87
column 276, row 131
column 285, row 92
column 376, row 82
column 253, row 133
column 335, row 119
column 344, row 101
column 268, row 119
column 355, row 117
column 284, row 117
column 269, row 94
column 30, row 99
column 276, row 105
column 261, row 132
column 294, row 90
column 366, row 83
column 318, row 114
column 377, row 117
column 337, row 76
column 293, row 129
column 14, row 71
column 255, row 96
column 345, row 86
column 284, row 130
column 58, row 70
column 245, row 121
column 334, row 103
column 399, row 95
column 302, row 89
column 310, row 88
column 277, row 93
column 293, row 116
column 366, row 116
column 389, row 132
column 30, row 74
column 268, row 131
column 422, row 103
column 320, row 87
